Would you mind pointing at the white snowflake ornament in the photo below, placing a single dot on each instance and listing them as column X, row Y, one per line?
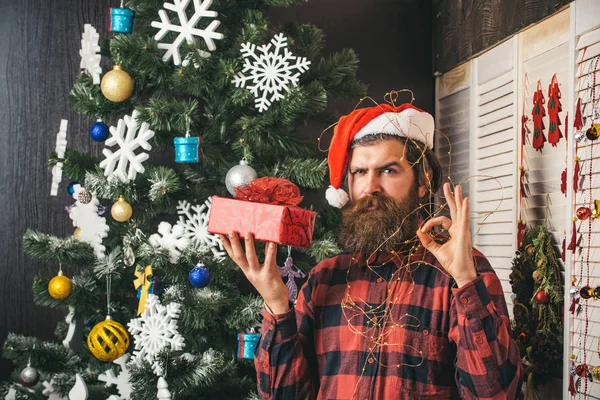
column 194, row 221
column 93, row 227
column 90, row 53
column 79, row 390
column 154, row 330
column 61, row 146
column 121, row 381
column 271, row 72
column 50, row 391
column 171, row 239
column 124, row 164
column 186, row 28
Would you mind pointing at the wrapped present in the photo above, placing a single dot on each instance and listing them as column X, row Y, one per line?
column 267, row 208
column 247, row 345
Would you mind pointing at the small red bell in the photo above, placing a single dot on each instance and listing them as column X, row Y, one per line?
column 583, row 213
column 542, row 297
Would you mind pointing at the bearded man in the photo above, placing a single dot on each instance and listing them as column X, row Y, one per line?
column 403, row 313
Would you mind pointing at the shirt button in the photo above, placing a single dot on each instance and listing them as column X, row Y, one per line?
column 370, row 360
column 271, row 327
column 425, row 332
column 379, row 280
column 464, row 300
column 479, row 339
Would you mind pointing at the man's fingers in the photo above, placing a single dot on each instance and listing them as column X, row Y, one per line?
column 444, row 222
column 428, row 242
column 270, row 254
column 238, row 253
column 450, row 200
column 251, row 251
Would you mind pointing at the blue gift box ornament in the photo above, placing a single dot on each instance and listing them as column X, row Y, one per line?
column 187, row 149
column 247, row 344
column 121, row 20
column 155, row 286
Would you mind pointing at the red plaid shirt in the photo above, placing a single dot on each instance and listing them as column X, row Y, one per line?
column 454, row 342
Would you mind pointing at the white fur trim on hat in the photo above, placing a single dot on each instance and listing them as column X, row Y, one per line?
column 414, row 124
column 336, row 197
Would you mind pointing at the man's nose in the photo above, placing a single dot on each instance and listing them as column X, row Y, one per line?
column 373, row 186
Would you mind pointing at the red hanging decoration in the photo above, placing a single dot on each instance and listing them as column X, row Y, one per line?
column 563, row 253
column 572, row 385
column 524, row 119
column 573, row 242
column 578, row 122
column 554, row 107
column 520, row 232
column 538, row 112
column 567, row 127
column 563, row 182
column 576, row 170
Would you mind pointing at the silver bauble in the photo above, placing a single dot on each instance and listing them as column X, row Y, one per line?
column 239, row 175
column 579, row 136
column 596, row 112
column 29, row 376
column 574, row 291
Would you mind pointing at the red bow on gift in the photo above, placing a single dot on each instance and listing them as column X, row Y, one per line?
column 277, row 191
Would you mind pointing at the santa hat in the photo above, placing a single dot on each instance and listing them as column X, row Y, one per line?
column 405, row 120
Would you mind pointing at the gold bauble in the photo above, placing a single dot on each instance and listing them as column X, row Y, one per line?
column 116, row 85
column 121, row 211
column 108, row 340
column 537, row 275
column 60, row 287
column 77, row 233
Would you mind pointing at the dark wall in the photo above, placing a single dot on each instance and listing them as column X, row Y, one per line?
column 464, row 28
column 39, row 61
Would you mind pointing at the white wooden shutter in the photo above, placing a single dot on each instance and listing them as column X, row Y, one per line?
column 545, row 52
column 493, row 158
column 588, row 48
column 452, row 142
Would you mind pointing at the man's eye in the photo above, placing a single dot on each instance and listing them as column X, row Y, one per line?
column 358, row 172
column 389, row 171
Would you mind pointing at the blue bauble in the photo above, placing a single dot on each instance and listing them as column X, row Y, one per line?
column 99, row 131
column 199, row 276
column 71, row 187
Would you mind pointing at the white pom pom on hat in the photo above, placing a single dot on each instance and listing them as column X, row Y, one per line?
column 405, row 120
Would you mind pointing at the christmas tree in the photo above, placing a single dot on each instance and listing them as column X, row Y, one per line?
column 154, row 304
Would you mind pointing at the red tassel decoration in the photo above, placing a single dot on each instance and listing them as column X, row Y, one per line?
column 563, row 182
column 524, row 119
column 520, row 232
column 578, row 121
column 567, row 127
column 538, row 112
column 572, row 385
column 574, row 302
column 576, row 170
column 554, row 107
column 573, row 242
column 563, row 253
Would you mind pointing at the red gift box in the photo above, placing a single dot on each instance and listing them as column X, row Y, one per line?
column 280, row 223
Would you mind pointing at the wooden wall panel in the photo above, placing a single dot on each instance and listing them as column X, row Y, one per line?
column 464, row 28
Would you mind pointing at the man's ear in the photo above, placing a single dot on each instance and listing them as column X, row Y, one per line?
column 424, row 189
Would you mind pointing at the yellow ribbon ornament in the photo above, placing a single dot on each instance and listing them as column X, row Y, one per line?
column 143, row 280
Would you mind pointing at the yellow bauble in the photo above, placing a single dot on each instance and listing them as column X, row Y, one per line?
column 108, row 340
column 121, row 211
column 116, row 85
column 77, row 233
column 60, row 287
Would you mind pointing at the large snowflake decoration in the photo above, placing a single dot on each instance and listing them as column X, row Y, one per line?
column 90, row 53
column 271, row 72
column 194, row 221
column 186, row 28
column 121, row 381
column 93, row 227
column 50, row 391
column 155, row 330
column 171, row 239
column 115, row 164
column 61, row 146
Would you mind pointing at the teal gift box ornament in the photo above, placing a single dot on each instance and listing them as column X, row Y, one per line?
column 120, row 20
column 187, row 149
column 247, row 344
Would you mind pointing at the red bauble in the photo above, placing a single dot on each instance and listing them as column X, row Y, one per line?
column 541, row 297
column 583, row 213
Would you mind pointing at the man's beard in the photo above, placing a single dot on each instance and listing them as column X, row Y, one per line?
column 365, row 231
